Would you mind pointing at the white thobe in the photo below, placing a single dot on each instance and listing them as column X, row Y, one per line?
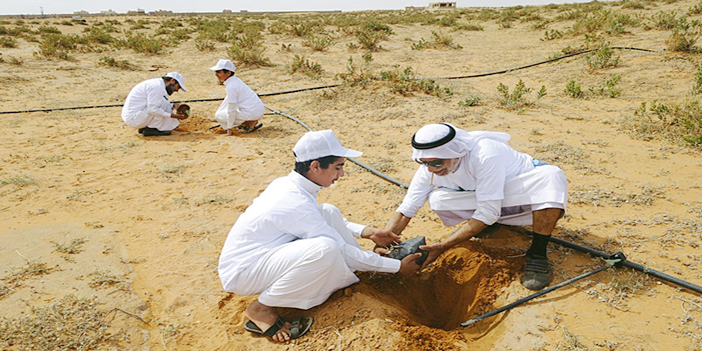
column 493, row 183
column 292, row 251
column 147, row 105
column 240, row 105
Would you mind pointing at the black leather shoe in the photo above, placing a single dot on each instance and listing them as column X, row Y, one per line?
column 155, row 132
column 536, row 272
column 141, row 130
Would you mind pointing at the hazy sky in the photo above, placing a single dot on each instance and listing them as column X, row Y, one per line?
column 13, row 7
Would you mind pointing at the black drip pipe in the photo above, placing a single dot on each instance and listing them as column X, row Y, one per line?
column 335, row 85
column 363, row 165
column 629, row 264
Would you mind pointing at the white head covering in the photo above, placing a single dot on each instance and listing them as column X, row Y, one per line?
column 224, row 64
column 445, row 141
column 322, row 143
column 178, row 77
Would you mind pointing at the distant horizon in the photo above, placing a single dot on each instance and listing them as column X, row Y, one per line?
column 96, row 7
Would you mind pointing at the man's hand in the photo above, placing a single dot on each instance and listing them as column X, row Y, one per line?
column 381, row 237
column 176, row 116
column 409, row 266
column 435, row 250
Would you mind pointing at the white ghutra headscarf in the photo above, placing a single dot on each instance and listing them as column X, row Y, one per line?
column 444, row 141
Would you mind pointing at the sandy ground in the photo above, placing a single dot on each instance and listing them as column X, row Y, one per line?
column 148, row 216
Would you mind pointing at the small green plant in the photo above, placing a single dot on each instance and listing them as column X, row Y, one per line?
column 8, row 42
column 56, row 46
column 674, row 122
column 609, row 88
column 439, row 40
column 684, row 36
column 697, row 86
column 473, row 100
column 370, row 34
column 517, row 99
column 248, row 49
column 404, row 82
column 355, row 74
column 552, row 34
column 142, row 43
column 110, row 61
column 303, row 65
column 603, row 58
column 204, row 45
column 318, row 43
column 573, row 89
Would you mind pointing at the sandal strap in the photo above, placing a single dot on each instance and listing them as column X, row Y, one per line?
column 279, row 323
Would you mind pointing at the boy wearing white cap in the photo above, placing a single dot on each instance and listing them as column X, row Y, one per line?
column 241, row 108
column 294, row 252
column 148, row 109
column 477, row 178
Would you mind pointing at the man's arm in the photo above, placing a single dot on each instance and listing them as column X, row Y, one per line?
column 467, row 231
column 397, row 223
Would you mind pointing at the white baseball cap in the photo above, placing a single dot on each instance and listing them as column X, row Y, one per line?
column 314, row 145
column 178, row 77
column 224, row 64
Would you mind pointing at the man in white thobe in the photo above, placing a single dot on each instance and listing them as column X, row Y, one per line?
column 148, row 109
column 294, row 252
column 477, row 177
column 241, row 108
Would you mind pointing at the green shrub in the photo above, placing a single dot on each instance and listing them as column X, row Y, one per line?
column 405, row 83
column 573, row 89
column 142, row 43
column 439, row 40
column 608, row 88
column 111, row 62
column 57, row 46
column 518, row 98
column 318, row 43
column 204, row 45
column 602, row 58
column 472, row 100
column 248, row 49
column 370, row 34
column 8, row 42
column 697, row 87
column 684, row 36
column 552, row 34
column 303, row 65
column 677, row 122
column 47, row 30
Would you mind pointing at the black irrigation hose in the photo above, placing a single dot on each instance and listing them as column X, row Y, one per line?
column 613, row 261
column 336, row 85
column 543, row 62
column 361, row 164
column 629, row 264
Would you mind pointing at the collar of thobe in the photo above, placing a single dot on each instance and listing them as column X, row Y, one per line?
column 304, row 183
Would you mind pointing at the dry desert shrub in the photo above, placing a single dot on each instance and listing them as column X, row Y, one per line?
column 15, row 278
column 439, row 40
column 68, row 324
column 247, row 49
column 518, row 98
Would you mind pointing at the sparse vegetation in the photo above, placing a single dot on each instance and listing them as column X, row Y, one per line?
column 518, row 98
column 304, row 65
column 71, row 248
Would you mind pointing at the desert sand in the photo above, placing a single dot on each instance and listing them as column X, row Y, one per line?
column 122, row 233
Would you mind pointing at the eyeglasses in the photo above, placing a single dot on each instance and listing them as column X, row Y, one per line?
column 433, row 163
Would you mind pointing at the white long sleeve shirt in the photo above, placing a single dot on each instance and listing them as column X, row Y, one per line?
column 484, row 170
column 149, row 95
column 286, row 211
column 240, row 95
